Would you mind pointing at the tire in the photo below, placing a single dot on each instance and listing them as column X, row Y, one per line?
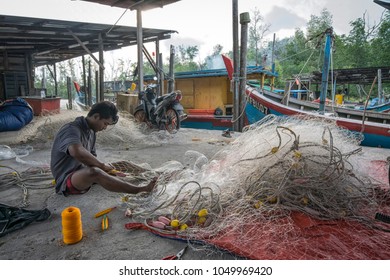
column 173, row 121
column 140, row 116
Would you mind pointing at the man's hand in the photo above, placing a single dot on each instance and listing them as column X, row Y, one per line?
column 115, row 172
column 107, row 167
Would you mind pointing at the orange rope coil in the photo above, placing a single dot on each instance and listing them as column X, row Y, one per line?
column 71, row 225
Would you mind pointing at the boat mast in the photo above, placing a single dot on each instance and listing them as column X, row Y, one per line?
column 325, row 69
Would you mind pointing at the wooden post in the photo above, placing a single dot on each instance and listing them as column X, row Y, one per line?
column 69, row 91
column 89, row 85
column 139, row 51
column 97, row 87
column 171, row 81
column 244, row 20
column 380, row 91
column 236, row 94
column 84, row 81
column 272, row 83
column 158, row 67
column 30, row 72
column 162, row 78
column 55, row 80
column 101, row 69
column 273, row 56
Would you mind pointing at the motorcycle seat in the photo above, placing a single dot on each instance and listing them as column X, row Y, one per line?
column 159, row 99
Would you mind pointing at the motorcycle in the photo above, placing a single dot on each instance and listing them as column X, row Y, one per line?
column 164, row 112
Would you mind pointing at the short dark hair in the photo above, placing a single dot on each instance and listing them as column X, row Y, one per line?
column 105, row 109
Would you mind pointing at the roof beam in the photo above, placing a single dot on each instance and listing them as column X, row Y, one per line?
column 85, row 48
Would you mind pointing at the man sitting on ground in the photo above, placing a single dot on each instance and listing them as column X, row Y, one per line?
column 74, row 163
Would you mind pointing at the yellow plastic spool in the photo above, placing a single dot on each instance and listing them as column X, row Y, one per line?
column 72, row 231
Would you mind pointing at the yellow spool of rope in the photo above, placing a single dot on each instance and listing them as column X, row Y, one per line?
column 72, row 231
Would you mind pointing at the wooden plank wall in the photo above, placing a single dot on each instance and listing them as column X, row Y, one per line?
column 205, row 92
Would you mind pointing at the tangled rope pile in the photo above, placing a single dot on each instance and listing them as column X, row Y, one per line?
column 277, row 167
column 31, row 179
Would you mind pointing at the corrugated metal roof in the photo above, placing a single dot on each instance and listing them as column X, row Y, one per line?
column 51, row 41
column 135, row 4
column 383, row 3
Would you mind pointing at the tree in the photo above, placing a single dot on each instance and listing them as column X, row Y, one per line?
column 319, row 24
column 184, row 58
column 257, row 30
column 381, row 43
column 293, row 55
column 357, row 44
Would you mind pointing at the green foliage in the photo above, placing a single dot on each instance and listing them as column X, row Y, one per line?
column 184, row 58
column 318, row 24
column 381, row 43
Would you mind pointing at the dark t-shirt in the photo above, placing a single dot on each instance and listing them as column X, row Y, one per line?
column 62, row 164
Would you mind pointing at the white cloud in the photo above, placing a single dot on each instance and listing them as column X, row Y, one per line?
column 281, row 19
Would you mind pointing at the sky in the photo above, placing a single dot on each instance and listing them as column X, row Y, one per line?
column 204, row 23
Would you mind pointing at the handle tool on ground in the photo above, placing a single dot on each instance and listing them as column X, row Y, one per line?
column 177, row 256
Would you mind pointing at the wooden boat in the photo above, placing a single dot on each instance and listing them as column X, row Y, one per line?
column 259, row 105
column 207, row 97
column 340, row 111
column 375, row 105
column 374, row 126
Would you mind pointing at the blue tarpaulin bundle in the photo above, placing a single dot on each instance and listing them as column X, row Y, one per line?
column 14, row 114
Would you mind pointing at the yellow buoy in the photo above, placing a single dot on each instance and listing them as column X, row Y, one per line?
column 71, row 225
column 272, row 199
column 183, row 227
column 201, row 220
column 203, row 213
column 175, row 223
column 297, row 154
column 258, row 204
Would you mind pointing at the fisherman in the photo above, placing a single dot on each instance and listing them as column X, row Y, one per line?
column 74, row 163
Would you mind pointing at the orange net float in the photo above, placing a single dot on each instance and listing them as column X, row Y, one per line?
column 72, row 231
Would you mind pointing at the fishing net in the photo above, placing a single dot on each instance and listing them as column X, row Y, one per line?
column 287, row 188
column 126, row 134
column 13, row 182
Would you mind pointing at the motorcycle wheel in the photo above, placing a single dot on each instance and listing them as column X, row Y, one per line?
column 140, row 117
column 173, row 121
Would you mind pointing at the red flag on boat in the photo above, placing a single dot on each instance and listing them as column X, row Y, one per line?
column 229, row 66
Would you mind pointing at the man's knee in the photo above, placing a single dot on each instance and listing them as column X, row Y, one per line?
column 95, row 172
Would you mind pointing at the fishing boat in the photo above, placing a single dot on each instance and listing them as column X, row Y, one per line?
column 375, row 105
column 207, row 96
column 373, row 126
column 294, row 99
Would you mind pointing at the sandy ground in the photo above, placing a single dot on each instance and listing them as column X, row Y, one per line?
column 44, row 240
